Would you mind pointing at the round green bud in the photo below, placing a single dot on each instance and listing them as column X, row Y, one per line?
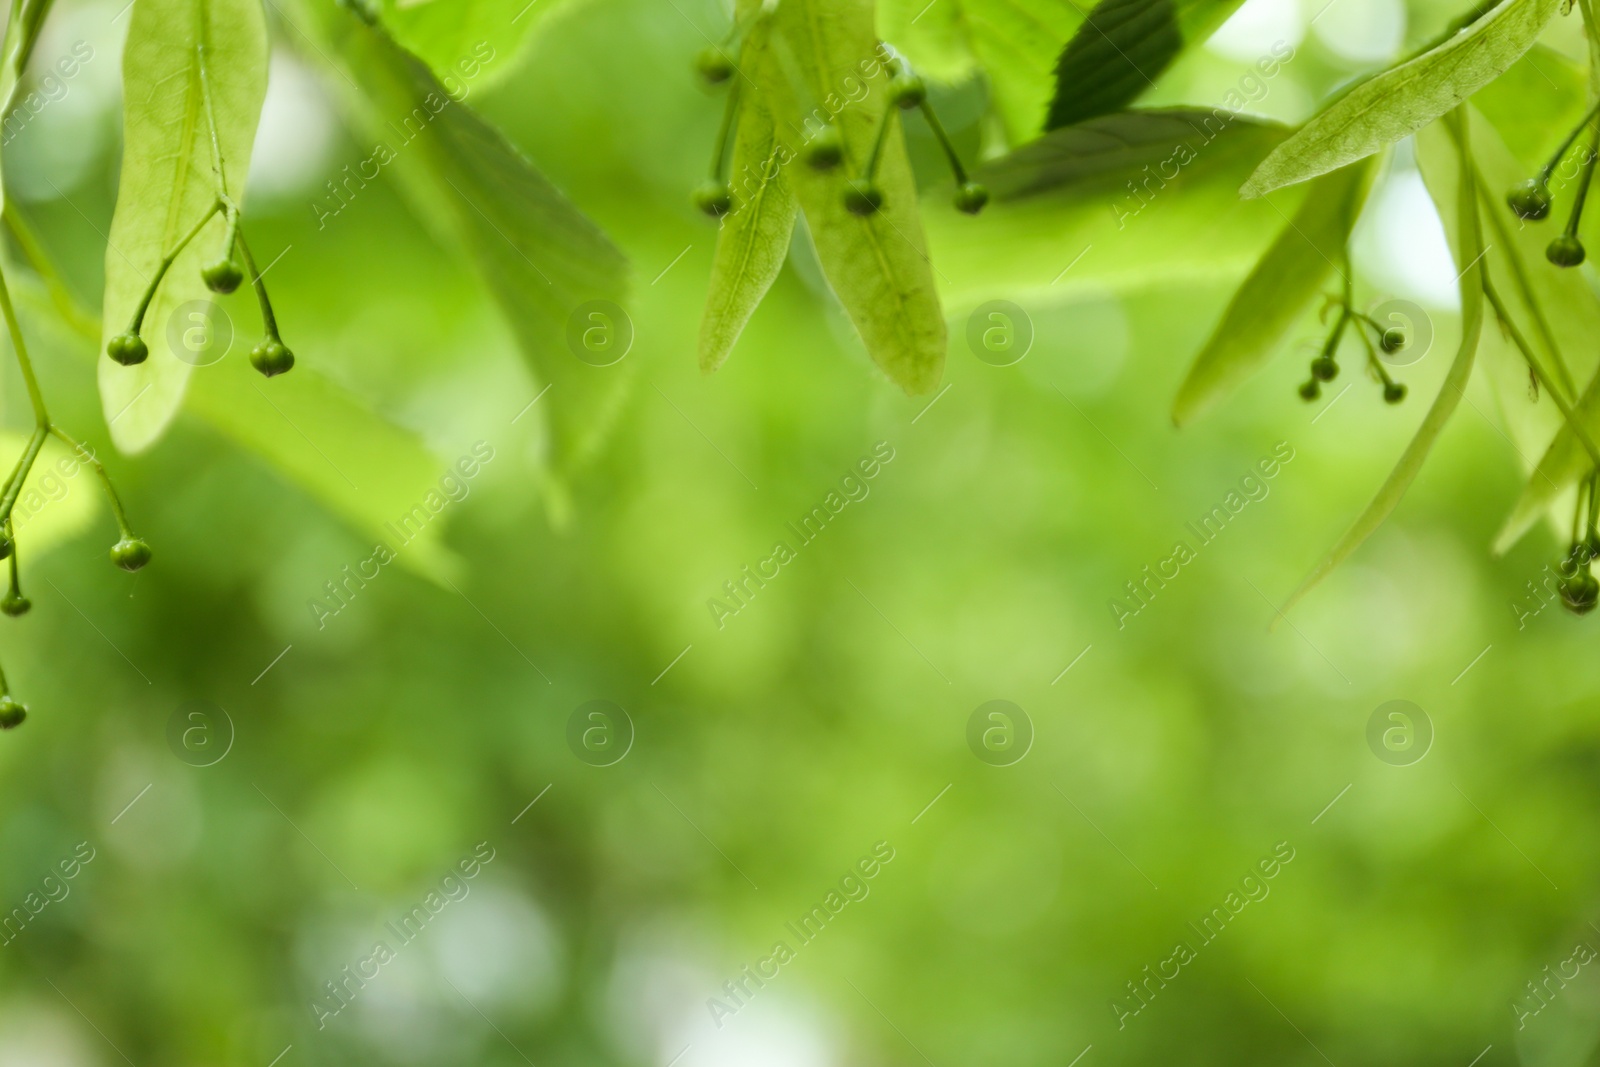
column 713, row 65
column 1565, row 251
column 223, row 276
column 1310, row 390
column 971, row 197
column 714, row 197
column 1579, row 593
column 15, row 605
column 1393, row 393
column 130, row 553
column 128, row 349
column 863, row 198
column 12, row 713
column 1324, row 369
column 825, row 150
column 271, row 357
column 907, row 90
column 1530, row 201
column 1393, row 340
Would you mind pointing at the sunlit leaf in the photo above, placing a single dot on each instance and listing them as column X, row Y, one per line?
column 1277, row 293
column 1462, row 200
column 545, row 262
column 878, row 265
column 1406, row 98
column 169, row 181
column 469, row 43
column 1094, row 232
column 755, row 236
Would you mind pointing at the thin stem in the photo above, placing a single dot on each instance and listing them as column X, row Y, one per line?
column 1538, row 369
column 730, row 111
column 1583, row 182
column 41, row 416
column 166, row 264
column 90, row 458
column 1555, row 160
column 268, row 320
column 16, row 578
column 20, row 474
column 877, row 145
column 944, row 142
column 1519, row 275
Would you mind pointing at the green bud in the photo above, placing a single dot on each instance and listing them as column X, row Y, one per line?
column 271, row 357
column 128, row 349
column 714, row 197
column 1393, row 340
column 1565, row 251
column 907, row 90
column 713, row 65
column 1310, row 390
column 971, row 198
column 1393, row 393
column 223, row 276
column 12, row 713
column 1530, row 201
column 826, row 149
column 1324, row 369
column 1580, row 592
column 15, row 605
column 863, row 198
column 130, row 553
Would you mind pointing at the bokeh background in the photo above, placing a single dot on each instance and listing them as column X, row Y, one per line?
column 429, row 723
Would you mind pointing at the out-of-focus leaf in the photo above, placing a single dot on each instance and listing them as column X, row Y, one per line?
column 1435, row 148
column 22, row 33
column 1093, row 231
column 1557, row 312
column 1111, row 148
column 1543, row 82
column 540, row 256
column 468, row 43
column 1018, row 43
column 1278, row 291
column 755, row 236
column 877, row 265
column 1406, row 98
column 358, row 465
column 169, row 182
column 57, row 501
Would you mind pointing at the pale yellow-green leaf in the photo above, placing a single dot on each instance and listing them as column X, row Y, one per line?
column 754, row 239
column 168, row 183
column 57, row 502
column 878, row 265
column 1279, row 290
column 1467, row 248
column 1406, row 98
column 469, row 44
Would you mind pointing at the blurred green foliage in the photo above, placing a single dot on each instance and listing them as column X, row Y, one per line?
column 373, row 753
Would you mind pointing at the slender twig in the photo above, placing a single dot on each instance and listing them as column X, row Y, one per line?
column 268, row 320
column 87, row 455
column 166, row 264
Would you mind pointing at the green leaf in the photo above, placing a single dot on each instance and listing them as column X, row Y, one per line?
column 755, row 236
column 1406, row 98
column 1468, row 249
column 1178, row 223
column 358, row 465
column 58, row 501
column 1277, row 293
column 1110, row 150
column 878, row 265
column 1122, row 48
column 1543, row 82
column 169, row 182
column 542, row 258
column 468, row 43
column 1017, row 42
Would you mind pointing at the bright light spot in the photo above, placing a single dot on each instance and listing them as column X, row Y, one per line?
column 295, row 138
column 1362, row 31
column 1252, row 31
column 1400, row 247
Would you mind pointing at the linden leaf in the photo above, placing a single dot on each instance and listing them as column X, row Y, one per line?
column 1277, row 293
column 1405, row 98
column 1462, row 200
column 169, row 181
